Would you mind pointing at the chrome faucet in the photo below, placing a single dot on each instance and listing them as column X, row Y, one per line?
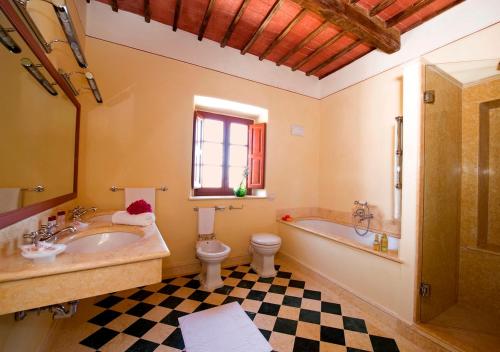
column 362, row 211
column 47, row 233
column 78, row 212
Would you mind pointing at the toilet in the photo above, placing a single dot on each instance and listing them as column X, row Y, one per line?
column 263, row 247
column 211, row 253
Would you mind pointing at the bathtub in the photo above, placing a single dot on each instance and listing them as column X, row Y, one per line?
column 337, row 253
column 343, row 233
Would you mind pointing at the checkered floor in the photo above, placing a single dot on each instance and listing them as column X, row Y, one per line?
column 292, row 317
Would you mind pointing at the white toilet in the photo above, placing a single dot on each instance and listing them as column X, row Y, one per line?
column 211, row 253
column 263, row 247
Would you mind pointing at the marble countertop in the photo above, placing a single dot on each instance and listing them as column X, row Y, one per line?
column 151, row 246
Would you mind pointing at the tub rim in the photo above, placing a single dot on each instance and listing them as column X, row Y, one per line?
column 339, row 239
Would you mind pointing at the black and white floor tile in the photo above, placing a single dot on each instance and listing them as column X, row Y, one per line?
column 292, row 317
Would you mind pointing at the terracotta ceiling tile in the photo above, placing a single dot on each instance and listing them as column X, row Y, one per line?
column 353, row 55
column 278, row 22
column 328, row 53
column 224, row 11
column 308, row 24
column 163, row 11
column 309, row 48
column 249, row 22
column 191, row 16
column 222, row 15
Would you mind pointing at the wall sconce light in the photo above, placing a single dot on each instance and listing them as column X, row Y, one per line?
column 90, row 80
column 35, row 72
column 64, row 18
column 69, row 30
column 7, row 40
column 93, row 87
column 22, row 7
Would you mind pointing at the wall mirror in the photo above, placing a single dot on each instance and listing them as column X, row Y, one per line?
column 39, row 122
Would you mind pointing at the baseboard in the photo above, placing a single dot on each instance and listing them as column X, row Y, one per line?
column 195, row 267
column 427, row 332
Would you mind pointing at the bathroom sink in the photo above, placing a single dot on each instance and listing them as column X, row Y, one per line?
column 101, row 242
column 100, row 218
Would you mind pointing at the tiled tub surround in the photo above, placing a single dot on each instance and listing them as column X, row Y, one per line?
column 293, row 314
column 74, row 276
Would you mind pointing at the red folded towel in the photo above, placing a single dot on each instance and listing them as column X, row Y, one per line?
column 139, row 207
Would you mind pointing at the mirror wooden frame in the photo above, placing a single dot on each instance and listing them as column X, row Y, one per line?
column 11, row 217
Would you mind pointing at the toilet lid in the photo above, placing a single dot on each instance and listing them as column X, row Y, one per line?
column 266, row 239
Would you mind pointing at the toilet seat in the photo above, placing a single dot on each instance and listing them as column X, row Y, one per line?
column 265, row 239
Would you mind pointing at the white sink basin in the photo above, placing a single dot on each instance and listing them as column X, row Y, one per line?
column 101, row 242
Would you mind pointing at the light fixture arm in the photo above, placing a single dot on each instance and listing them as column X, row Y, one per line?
column 90, row 80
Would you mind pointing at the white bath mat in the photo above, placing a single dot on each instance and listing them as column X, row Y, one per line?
column 226, row 328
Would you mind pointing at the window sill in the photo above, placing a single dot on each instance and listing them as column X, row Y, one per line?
column 226, row 197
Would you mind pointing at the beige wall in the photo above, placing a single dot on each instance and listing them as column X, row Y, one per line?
column 142, row 136
column 441, row 214
column 357, row 145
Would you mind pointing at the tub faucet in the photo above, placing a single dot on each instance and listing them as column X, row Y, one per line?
column 78, row 212
column 362, row 211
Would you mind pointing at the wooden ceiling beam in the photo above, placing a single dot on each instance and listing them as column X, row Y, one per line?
column 334, row 57
column 206, row 18
column 234, row 22
column 381, row 6
column 409, row 11
column 318, row 50
column 355, row 20
column 147, row 11
column 276, row 6
column 283, row 34
column 302, row 43
column 177, row 14
column 114, row 5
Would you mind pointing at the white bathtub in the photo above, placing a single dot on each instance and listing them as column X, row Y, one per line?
column 337, row 253
column 342, row 233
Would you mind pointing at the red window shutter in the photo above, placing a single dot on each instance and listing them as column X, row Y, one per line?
column 256, row 155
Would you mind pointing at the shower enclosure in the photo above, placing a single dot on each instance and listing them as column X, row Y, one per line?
column 460, row 247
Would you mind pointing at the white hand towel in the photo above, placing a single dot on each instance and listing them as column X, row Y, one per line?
column 124, row 218
column 9, row 199
column 206, row 219
column 133, row 194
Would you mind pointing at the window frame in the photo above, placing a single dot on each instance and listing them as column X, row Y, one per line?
column 225, row 190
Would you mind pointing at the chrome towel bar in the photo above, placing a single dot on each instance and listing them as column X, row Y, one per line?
column 216, row 208
column 39, row 188
column 116, row 189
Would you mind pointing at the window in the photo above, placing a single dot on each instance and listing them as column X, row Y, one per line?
column 227, row 151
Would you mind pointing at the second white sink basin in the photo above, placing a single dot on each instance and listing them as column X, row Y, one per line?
column 101, row 242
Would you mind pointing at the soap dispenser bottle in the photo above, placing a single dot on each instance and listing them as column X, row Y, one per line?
column 384, row 243
column 376, row 243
